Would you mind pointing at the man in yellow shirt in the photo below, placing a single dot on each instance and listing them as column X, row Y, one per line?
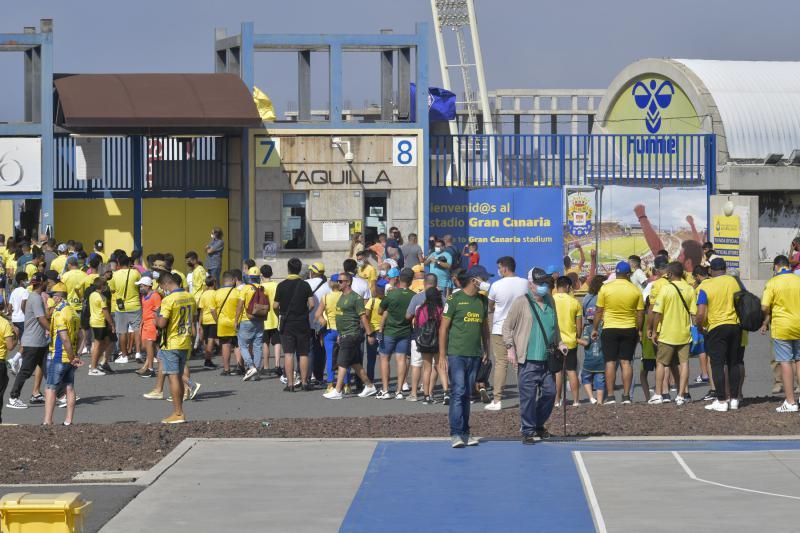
column 8, row 343
column 63, row 358
column 207, row 323
column 781, row 306
column 620, row 307
column 670, row 330
column 101, row 324
column 366, row 271
column 271, row 335
column 98, row 249
column 249, row 328
column 59, row 264
column 198, row 273
column 226, row 302
column 717, row 314
column 177, row 319
column 75, row 280
column 125, row 299
column 570, row 322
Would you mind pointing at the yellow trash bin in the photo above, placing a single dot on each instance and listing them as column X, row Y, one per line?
column 25, row 512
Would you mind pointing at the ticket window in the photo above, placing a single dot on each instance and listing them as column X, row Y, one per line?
column 376, row 215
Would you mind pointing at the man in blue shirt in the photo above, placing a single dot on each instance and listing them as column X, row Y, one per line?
column 440, row 262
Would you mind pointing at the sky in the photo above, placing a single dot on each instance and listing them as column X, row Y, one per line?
column 525, row 43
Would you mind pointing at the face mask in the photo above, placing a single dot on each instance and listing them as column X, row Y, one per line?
column 499, row 273
column 360, row 263
column 438, row 249
column 212, row 235
column 542, row 290
column 484, row 286
column 382, row 273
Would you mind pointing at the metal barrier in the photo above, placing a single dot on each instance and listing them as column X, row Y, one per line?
column 558, row 160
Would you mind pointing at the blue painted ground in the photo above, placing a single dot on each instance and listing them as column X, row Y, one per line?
column 497, row 486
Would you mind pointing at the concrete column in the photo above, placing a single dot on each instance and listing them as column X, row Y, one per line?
column 304, row 85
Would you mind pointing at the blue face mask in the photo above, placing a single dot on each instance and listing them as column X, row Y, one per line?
column 542, row 290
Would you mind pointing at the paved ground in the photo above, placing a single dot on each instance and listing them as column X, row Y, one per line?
column 118, row 397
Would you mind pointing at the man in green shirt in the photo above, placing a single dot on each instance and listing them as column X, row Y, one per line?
column 350, row 318
column 396, row 333
column 464, row 338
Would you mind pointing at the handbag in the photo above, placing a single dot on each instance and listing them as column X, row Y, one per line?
column 555, row 359
column 484, row 371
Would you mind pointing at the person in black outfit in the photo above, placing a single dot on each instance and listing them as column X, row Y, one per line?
column 293, row 300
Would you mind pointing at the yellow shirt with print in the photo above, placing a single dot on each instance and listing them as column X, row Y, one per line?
column 373, row 307
column 97, row 302
column 75, row 280
column 59, row 264
column 675, row 325
column 568, row 309
column 272, row 317
column 331, row 309
column 226, row 314
column 64, row 319
column 6, row 331
column 782, row 296
column 123, row 287
column 719, row 293
column 205, row 305
column 180, row 310
column 199, row 275
column 620, row 301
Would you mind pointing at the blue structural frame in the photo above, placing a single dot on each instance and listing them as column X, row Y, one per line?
column 235, row 54
column 38, row 50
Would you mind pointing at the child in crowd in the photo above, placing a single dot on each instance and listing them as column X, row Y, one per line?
column 472, row 255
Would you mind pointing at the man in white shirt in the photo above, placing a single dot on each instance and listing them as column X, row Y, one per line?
column 16, row 303
column 359, row 284
column 638, row 277
column 502, row 294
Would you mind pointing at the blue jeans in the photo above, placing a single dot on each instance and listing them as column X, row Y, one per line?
column 462, row 371
column 251, row 332
column 330, row 341
column 537, row 394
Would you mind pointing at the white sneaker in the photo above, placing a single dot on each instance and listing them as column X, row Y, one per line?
column 16, row 403
column 62, row 402
column 494, row 406
column 96, row 372
column 398, row 396
column 406, row 388
column 296, row 380
column 576, row 404
column 383, row 395
column 139, row 358
column 284, row 380
column 333, row 395
column 679, row 400
column 592, row 400
column 368, row 391
column 250, row 373
column 655, row 399
column 787, row 407
column 557, row 405
column 717, row 405
column 121, row 360
column 734, row 404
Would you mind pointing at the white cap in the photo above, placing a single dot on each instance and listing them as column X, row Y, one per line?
column 146, row 280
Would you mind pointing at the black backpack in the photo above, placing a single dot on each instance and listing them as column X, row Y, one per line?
column 428, row 337
column 748, row 309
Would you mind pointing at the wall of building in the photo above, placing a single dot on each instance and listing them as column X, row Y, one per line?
column 87, row 220
column 7, row 217
column 233, row 226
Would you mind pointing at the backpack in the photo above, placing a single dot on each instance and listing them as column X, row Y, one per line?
column 428, row 336
column 748, row 309
column 86, row 312
column 259, row 304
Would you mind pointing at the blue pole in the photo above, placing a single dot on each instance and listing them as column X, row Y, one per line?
column 46, row 123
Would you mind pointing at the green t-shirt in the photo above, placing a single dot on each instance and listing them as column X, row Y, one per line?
column 467, row 315
column 349, row 308
column 537, row 344
column 396, row 303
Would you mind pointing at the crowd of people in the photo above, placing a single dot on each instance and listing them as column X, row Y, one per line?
column 451, row 328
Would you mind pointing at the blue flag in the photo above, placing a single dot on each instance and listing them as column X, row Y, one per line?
column 441, row 104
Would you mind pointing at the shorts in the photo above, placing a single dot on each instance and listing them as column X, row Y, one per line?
column 21, row 327
column 295, row 341
column 619, row 344
column 209, row 331
column 127, row 319
column 272, row 337
column 572, row 359
column 416, row 356
column 349, row 352
column 59, row 373
column 596, row 379
column 149, row 332
column 786, row 351
column 101, row 334
column 233, row 341
column 173, row 361
column 649, row 365
column 395, row 345
column 665, row 353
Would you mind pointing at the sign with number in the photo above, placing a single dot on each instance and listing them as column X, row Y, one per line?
column 726, row 234
column 20, row 164
column 267, row 152
column 404, row 151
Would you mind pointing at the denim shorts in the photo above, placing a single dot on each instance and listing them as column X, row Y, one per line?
column 392, row 345
column 59, row 373
column 596, row 379
column 786, row 351
column 173, row 360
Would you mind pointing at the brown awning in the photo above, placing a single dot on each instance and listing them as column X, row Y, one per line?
column 162, row 103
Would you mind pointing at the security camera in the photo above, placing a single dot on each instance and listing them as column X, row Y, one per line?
column 349, row 157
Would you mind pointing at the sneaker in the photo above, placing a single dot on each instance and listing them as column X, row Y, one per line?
column 626, row 400
column 209, row 364
column 679, row 400
column 427, row 400
column 194, row 391
column 609, row 401
column 406, row 388
column 174, row 419
column 139, row 358
column 542, row 433
column 398, row 395
column 655, row 399
column 667, row 398
column 412, row 398
column 16, row 403
column 717, row 405
column 284, row 380
column 368, row 391
column 472, row 441
column 484, row 395
column 153, row 395
column 185, row 395
column 494, row 406
column 227, row 373
column 250, row 373
column 105, row 367
column 333, row 395
column 348, row 389
column 446, row 399
column 701, row 379
column 592, row 400
column 62, row 402
column 787, row 407
column 576, row 403
column 240, row 370
column 96, row 372
column 146, row 373
column 710, row 396
column 734, row 404
column 121, row 360
column 383, row 395
column 36, row 399
column 296, row 381
column 687, row 397
column 557, row 404
column 457, row 442
column 329, row 388
column 528, row 440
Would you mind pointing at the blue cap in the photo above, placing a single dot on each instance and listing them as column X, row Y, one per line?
column 552, row 269
column 335, row 277
column 717, row 264
column 623, row 268
column 478, row 271
column 381, row 283
column 393, row 272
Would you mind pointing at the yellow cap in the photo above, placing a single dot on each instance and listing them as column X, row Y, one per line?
column 317, row 268
column 59, row 287
column 418, row 268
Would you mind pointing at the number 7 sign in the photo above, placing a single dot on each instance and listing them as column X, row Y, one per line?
column 267, row 151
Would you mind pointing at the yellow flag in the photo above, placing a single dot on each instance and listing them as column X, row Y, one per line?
column 264, row 105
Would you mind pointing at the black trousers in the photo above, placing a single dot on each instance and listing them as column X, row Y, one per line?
column 31, row 358
column 722, row 345
column 317, row 352
column 3, row 385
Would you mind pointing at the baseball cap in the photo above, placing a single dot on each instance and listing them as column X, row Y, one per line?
column 37, row 278
column 59, row 287
column 660, row 262
column 623, row 268
column 552, row 269
column 317, row 268
column 418, row 268
column 718, row 263
column 478, row 271
column 146, row 280
column 335, row 277
column 52, row 275
column 538, row 275
column 62, row 248
column 98, row 244
column 393, row 273
column 381, row 283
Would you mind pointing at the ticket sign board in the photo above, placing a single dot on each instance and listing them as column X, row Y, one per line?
column 20, row 164
column 727, row 233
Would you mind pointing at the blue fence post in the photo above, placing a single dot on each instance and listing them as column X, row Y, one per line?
column 710, row 173
column 562, row 160
column 137, row 183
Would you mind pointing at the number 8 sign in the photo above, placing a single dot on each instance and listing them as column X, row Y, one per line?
column 404, row 151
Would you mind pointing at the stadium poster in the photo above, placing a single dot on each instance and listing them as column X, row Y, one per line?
column 522, row 222
column 643, row 220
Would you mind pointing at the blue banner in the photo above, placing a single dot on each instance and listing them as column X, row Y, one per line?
column 525, row 223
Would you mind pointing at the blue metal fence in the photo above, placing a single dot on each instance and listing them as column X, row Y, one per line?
column 558, row 160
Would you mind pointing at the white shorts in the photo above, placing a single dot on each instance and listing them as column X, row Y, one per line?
column 416, row 357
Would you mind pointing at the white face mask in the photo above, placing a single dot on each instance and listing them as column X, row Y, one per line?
column 438, row 249
column 484, row 286
column 499, row 273
column 360, row 262
column 382, row 273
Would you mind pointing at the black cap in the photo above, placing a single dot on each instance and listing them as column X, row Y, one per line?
column 718, row 263
column 52, row 275
column 538, row 276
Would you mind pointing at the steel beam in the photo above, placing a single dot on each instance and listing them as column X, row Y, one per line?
column 304, row 85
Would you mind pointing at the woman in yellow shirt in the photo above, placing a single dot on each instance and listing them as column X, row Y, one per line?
column 326, row 315
column 374, row 315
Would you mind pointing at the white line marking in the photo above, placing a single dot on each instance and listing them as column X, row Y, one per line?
column 597, row 516
column 692, row 475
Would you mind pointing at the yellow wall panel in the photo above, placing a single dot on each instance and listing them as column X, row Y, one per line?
column 7, row 217
column 88, row 220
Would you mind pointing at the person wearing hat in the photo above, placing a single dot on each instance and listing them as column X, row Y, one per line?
column 716, row 314
column 391, row 277
column 60, row 262
column 465, row 340
column 63, row 358
column 418, row 284
column 98, row 249
column 151, row 301
column 620, row 306
column 529, row 329
column 34, row 341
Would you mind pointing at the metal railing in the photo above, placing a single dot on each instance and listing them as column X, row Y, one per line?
column 557, row 160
